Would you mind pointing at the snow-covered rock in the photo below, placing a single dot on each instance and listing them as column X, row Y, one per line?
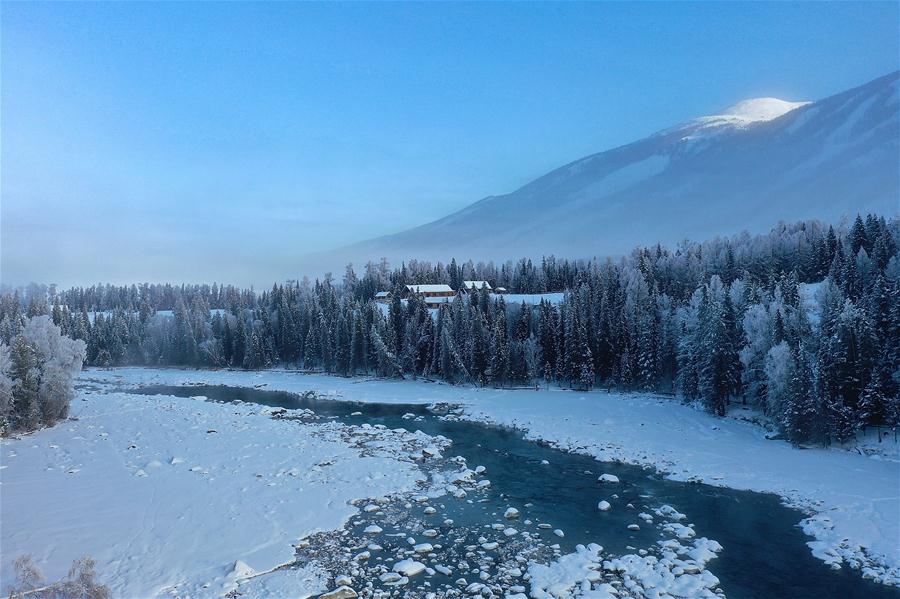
column 343, row 592
column 423, row 548
column 409, row 567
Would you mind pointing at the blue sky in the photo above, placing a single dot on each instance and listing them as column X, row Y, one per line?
column 202, row 142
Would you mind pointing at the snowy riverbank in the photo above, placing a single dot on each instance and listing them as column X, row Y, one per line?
column 183, row 498
column 856, row 499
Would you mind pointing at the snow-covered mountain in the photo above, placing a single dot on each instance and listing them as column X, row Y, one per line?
column 758, row 162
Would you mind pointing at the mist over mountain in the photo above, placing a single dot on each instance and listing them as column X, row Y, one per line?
column 758, row 162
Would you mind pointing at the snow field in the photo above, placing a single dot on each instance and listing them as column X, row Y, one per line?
column 173, row 496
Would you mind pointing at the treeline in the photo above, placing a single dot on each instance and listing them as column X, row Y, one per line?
column 803, row 322
column 522, row 277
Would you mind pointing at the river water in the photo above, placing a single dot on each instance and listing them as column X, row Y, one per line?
column 764, row 554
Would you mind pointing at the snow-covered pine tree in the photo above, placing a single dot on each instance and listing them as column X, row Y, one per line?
column 499, row 358
column 25, row 375
column 387, row 363
column 838, row 420
column 6, row 388
column 689, row 347
column 799, row 418
column 717, row 368
column 873, row 404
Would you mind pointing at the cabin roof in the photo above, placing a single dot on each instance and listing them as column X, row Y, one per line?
column 429, row 288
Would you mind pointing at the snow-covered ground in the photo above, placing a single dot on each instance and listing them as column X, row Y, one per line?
column 186, row 497
column 184, row 472
column 855, row 498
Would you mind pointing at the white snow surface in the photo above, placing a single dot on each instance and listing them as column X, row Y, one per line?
column 854, row 499
column 287, row 583
column 761, row 109
column 173, row 495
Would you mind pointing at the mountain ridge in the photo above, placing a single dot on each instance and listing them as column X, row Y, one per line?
column 719, row 174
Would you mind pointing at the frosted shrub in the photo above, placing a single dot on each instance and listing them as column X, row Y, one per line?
column 81, row 582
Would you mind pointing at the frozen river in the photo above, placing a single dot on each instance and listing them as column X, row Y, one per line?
column 467, row 546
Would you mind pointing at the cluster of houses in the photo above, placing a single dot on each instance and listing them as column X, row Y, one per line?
column 435, row 295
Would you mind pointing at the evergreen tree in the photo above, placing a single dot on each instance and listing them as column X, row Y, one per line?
column 388, row 365
column 858, row 238
column 358, row 346
column 499, row 350
column 689, row 348
column 801, row 411
column 717, row 370
column 873, row 406
column 838, row 418
column 25, row 374
column 342, row 346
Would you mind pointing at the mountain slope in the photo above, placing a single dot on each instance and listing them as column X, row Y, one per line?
column 759, row 162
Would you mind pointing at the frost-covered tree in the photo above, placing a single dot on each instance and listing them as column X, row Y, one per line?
column 780, row 369
column 690, row 346
column 388, row 365
column 759, row 338
column 39, row 371
column 848, row 355
column 718, row 371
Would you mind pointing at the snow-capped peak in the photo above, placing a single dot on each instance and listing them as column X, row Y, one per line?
column 741, row 115
column 761, row 109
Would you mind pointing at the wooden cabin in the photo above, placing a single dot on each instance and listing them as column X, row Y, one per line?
column 433, row 295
